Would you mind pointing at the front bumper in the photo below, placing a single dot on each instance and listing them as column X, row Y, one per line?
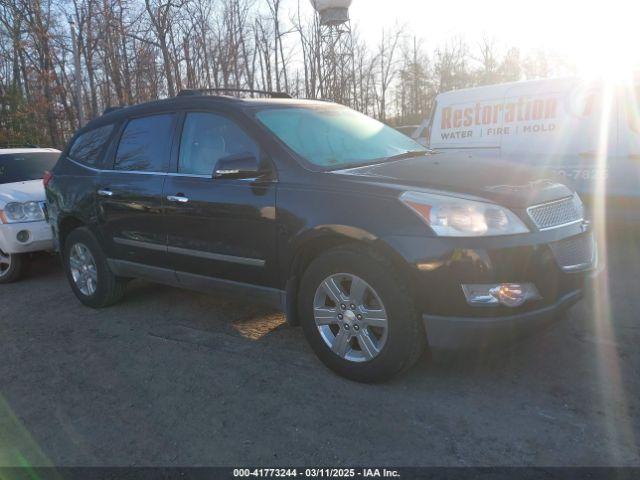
column 460, row 332
column 40, row 237
column 555, row 261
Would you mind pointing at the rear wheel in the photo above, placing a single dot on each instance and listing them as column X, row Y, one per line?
column 11, row 266
column 88, row 272
column 359, row 316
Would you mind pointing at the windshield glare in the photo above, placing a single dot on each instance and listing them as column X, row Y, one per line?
column 336, row 137
column 21, row 167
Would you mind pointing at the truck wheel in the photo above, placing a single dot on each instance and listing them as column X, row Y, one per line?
column 359, row 317
column 88, row 272
column 12, row 267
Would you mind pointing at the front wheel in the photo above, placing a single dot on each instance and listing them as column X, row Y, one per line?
column 88, row 272
column 12, row 267
column 359, row 316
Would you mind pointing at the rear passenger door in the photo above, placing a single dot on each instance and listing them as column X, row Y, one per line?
column 219, row 228
column 129, row 192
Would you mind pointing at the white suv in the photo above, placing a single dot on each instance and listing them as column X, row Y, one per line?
column 23, row 227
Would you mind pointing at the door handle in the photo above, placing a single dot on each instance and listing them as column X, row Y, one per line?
column 105, row 193
column 177, row 198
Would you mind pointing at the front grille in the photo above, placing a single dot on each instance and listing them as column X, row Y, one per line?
column 575, row 253
column 555, row 214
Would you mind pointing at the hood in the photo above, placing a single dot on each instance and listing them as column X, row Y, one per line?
column 29, row 191
column 506, row 183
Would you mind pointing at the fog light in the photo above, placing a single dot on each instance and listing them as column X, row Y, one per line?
column 23, row 236
column 507, row 294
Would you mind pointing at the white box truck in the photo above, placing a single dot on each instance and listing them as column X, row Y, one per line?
column 586, row 135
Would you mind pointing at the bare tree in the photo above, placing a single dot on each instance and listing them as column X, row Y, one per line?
column 386, row 57
column 133, row 51
column 163, row 16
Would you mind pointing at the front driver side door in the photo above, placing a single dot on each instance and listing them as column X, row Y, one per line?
column 219, row 228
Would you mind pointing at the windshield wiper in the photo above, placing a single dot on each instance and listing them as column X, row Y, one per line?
column 409, row 154
column 400, row 156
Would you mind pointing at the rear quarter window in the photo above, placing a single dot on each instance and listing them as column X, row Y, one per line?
column 88, row 147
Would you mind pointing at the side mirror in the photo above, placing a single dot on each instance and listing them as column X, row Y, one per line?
column 238, row 165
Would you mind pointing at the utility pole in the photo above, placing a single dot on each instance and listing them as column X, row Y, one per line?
column 78, row 71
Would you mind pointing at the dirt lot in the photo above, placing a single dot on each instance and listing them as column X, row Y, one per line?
column 170, row 377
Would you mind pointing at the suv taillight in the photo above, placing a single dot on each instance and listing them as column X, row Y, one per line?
column 48, row 176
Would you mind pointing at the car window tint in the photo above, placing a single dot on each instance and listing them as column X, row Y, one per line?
column 89, row 146
column 206, row 138
column 145, row 144
column 22, row 167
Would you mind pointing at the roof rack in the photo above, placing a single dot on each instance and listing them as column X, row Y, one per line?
column 204, row 91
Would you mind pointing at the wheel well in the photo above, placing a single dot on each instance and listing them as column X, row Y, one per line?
column 67, row 225
column 314, row 248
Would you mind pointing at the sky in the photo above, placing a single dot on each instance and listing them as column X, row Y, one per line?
column 598, row 36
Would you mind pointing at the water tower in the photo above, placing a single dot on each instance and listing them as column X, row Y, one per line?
column 337, row 75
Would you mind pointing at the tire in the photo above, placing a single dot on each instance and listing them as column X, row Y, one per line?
column 12, row 267
column 396, row 347
column 104, row 288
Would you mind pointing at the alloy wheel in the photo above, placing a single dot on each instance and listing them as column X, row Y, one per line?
column 83, row 269
column 350, row 317
column 5, row 263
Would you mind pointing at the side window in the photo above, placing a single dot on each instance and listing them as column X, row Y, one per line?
column 206, row 138
column 145, row 144
column 88, row 147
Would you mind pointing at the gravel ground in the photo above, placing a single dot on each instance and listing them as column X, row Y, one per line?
column 174, row 378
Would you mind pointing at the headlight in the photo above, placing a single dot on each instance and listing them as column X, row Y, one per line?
column 458, row 217
column 16, row 212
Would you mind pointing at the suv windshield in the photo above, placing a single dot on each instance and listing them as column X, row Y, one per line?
column 335, row 137
column 20, row 167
